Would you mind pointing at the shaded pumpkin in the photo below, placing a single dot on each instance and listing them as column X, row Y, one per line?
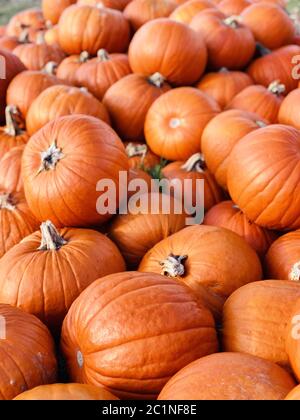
column 293, row 341
column 289, row 109
column 12, row 135
column 233, row 7
column 186, row 11
column 164, row 322
column 10, row 170
column 294, row 394
column 30, row 19
column 52, row 9
column 175, row 122
column 9, row 42
column 51, row 36
column 212, row 261
column 140, row 156
column 67, row 69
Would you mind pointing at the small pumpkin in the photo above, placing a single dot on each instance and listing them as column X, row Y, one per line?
column 27, row 353
column 140, row 156
column 57, row 101
column 10, row 170
column 51, row 36
column 221, row 135
column 267, row 187
column 164, row 323
column 256, row 317
column 294, row 395
column 224, row 85
column 52, row 9
column 175, row 122
column 67, row 69
column 283, row 259
column 12, row 134
column 229, row 377
column 31, row 19
column 169, row 48
column 293, row 340
column 185, row 12
column 233, row 7
column 289, row 109
column 212, row 261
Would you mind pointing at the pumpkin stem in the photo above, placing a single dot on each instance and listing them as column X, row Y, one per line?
column 223, row 70
column 12, row 115
column 50, row 158
column 50, row 68
column 173, row 266
column 103, row 55
column 84, row 57
column 51, row 239
column 40, row 38
column 260, row 124
column 156, row 80
column 196, row 163
column 295, row 272
column 49, row 24
column 134, row 150
column 235, row 206
column 7, row 202
column 233, row 21
column 276, row 87
column 24, row 36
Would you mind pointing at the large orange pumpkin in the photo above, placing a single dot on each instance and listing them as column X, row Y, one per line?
column 175, row 122
column 294, row 395
column 140, row 157
column 221, row 135
column 89, row 28
column 169, row 48
column 293, row 340
column 57, row 101
column 36, row 56
column 30, row 19
column 185, row 12
column 166, row 328
column 129, row 100
column 256, row 317
column 229, row 376
column 10, row 170
column 12, row 134
column 289, row 110
column 47, row 271
column 62, row 165
column 283, row 259
column 212, row 261
column 67, row 69
column 52, row 9
column 27, row 353
column 233, row 7
column 112, row 4
column 267, row 188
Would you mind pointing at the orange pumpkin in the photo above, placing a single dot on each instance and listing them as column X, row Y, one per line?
column 185, row 12
column 212, row 261
column 112, row 4
column 51, row 36
column 283, row 259
column 293, row 340
column 138, row 174
column 9, row 42
column 166, row 328
column 10, row 170
column 36, row 56
column 224, row 85
column 141, row 157
column 12, row 134
column 289, row 110
column 156, row 44
column 67, row 69
column 233, row 7
column 175, row 122
column 52, row 9
column 294, row 395
column 30, row 19
column 267, row 188
column 229, row 376
column 221, row 135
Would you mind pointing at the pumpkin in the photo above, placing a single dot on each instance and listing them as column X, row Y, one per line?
column 113, row 4
column 88, row 28
column 66, row 392
column 27, row 353
column 289, row 109
column 52, row 9
column 221, row 135
column 13, row 66
column 175, row 122
column 224, row 85
column 12, row 134
column 293, row 340
column 189, row 9
column 31, row 19
column 129, row 100
column 264, row 19
column 10, row 170
column 51, row 36
column 79, row 151
column 264, row 102
column 36, row 56
column 166, row 328
column 212, row 261
column 229, row 43
column 72, row 259
column 256, row 317
column 67, row 69
column 136, row 234
column 294, row 395
column 9, row 42
column 138, row 174
column 267, row 187
column 194, row 169
column 233, row 7
column 229, row 377
column 138, row 12
column 229, row 216
column 276, row 65
column 140, row 156
column 28, row 85
column 60, row 100
column 99, row 74
column 283, row 259
column 169, row 48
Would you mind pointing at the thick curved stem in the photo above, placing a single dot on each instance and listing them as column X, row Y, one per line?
column 103, row 55
column 50, row 68
column 295, row 272
column 261, row 124
column 7, row 202
column 50, row 158
column 84, row 57
column 156, row 80
column 51, row 239
column 173, row 266
column 134, row 150
column 196, row 163
column 12, row 114
column 276, row 87
column 233, row 21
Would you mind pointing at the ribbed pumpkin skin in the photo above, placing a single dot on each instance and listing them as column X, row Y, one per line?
column 259, row 100
column 31, row 18
column 293, row 340
column 95, row 151
column 294, row 395
column 219, row 262
column 58, row 101
column 112, row 4
column 88, row 28
column 52, row 9
column 155, row 45
column 10, row 170
column 256, row 317
column 233, row 7
column 45, row 283
column 27, row 355
column 66, row 392
column 136, row 234
column 185, row 12
column 221, row 135
column 283, row 259
column 267, row 188
column 289, row 110
column 36, row 56
column 51, row 36
column 224, row 85
column 229, row 377
column 228, row 216
column 9, row 141
column 128, row 101
column 175, row 122
column 166, row 328
column 67, row 69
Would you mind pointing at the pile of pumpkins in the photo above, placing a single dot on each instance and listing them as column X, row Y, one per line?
column 141, row 306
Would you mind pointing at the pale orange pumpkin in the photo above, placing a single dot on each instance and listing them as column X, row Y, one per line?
column 185, row 12
column 10, row 170
column 289, row 109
